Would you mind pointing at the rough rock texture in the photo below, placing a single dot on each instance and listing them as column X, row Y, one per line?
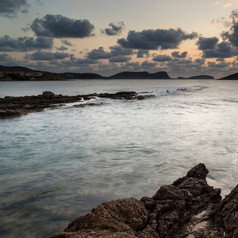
column 17, row 106
column 187, row 208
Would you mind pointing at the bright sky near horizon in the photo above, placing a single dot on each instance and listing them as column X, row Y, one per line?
column 181, row 37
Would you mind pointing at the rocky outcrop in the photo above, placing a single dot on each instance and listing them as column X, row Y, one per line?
column 187, row 208
column 231, row 77
column 17, row 106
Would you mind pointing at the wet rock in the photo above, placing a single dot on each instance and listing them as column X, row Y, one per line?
column 17, row 106
column 188, row 208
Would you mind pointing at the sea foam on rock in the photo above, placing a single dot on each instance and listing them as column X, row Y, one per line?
column 187, row 208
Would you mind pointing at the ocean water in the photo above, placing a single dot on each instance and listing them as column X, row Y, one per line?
column 58, row 164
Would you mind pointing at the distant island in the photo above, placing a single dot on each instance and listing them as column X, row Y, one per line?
column 19, row 73
column 198, row 77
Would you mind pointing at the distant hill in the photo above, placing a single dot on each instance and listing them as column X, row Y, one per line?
column 140, row 75
column 80, row 76
column 198, row 77
column 17, row 69
column 231, row 77
column 11, row 73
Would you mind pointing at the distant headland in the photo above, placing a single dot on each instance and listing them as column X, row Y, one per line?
column 19, row 73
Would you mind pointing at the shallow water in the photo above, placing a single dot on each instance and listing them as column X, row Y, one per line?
column 56, row 165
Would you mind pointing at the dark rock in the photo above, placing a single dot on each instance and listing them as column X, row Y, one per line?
column 227, row 214
column 113, row 217
column 187, row 208
column 17, row 106
column 48, row 94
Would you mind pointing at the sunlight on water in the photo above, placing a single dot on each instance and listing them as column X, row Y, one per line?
column 56, row 165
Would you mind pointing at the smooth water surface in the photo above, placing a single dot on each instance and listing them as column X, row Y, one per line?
column 56, row 165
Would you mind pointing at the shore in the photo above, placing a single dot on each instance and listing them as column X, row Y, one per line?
column 187, row 208
column 18, row 106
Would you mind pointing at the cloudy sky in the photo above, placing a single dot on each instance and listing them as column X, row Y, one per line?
column 181, row 37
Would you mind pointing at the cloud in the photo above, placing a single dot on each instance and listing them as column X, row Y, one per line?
column 83, row 61
column 212, row 49
column 232, row 35
column 147, row 64
column 227, row 5
column 162, row 58
column 10, row 8
column 177, row 54
column 6, row 59
column 207, row 43
column 23, row 44
column 42, row 55
column 99, row 54
column 155, row 39
column 120, row 51
column 120, row 59
column 59, row 26
column 114, row 29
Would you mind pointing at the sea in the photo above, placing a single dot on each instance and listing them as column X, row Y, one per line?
column 58, row 164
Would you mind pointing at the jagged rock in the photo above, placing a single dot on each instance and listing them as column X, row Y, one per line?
column 227, row 214
column 188, row 208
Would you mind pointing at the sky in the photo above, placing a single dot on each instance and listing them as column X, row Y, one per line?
column 183, row 37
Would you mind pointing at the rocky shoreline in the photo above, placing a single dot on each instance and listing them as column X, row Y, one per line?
column 187, row 208
column 18, row 106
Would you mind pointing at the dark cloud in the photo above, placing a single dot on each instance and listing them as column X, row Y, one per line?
column 162, row 58
column 59, row 26
column 114, row 29
column 99, row 54
column 232, row 23
column 212, row 49
column 232, row 35
column 155, row 39
column 120, row 51
column 42, row 55
column 10, row 8
column 23, row 44
column 120, row 59
column 177, row 54
column 207, row 43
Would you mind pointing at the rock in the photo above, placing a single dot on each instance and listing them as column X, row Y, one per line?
column 17, row 106
column 187, row 208
column 48, row 94
column 227, row 213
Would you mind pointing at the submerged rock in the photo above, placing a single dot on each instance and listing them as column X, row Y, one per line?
column 187, row 208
